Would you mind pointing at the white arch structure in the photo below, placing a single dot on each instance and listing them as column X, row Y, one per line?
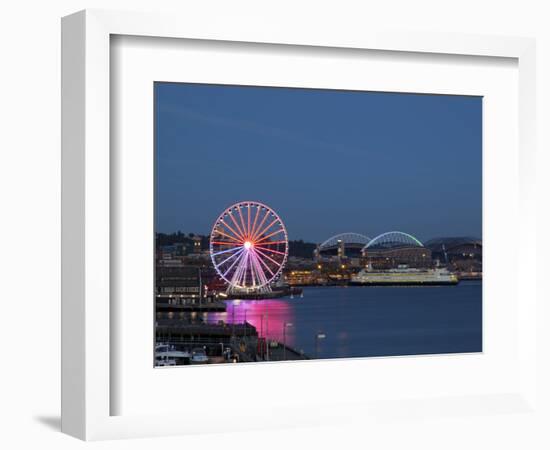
column 346, row 238
column 394, row 239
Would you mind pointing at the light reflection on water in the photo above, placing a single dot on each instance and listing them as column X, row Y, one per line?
column 267, row 316
column 368, row 321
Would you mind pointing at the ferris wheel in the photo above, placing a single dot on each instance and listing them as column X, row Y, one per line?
column 249, row 246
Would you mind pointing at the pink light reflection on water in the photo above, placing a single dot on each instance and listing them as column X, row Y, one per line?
column 267, row 316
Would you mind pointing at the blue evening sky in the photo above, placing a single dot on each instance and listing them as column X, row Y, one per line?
column 326, row 161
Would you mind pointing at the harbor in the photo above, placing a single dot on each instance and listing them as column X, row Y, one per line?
column 264, row 299
column 181, row 339
column 335, row 322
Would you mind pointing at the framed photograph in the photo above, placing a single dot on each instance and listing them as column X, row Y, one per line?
column 238, row 281
column 309, row 222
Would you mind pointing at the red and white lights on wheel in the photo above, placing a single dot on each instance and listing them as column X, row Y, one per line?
column 249, row 246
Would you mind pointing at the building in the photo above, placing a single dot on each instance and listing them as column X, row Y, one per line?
column 179, row 282
column 176, row 249
column 197, row 244
column 301, row 277
column 212, row 281
column 461, row 254
column 169, row 260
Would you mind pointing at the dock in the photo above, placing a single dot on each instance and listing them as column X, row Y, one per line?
column 242, row 339
column 204, row 307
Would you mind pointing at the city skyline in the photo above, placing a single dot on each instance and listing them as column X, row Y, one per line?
column 327, row 161
column 305, row 241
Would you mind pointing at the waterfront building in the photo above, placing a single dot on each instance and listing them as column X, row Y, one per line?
column 302, row 277
column 461, row 254
column 391, row 258
column 169, row 260
column 174, row 250
column 212, row 280
column 183, row 283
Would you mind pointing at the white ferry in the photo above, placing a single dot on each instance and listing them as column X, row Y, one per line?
column 404, row 276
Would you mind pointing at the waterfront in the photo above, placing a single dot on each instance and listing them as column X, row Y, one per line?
column 368, row 321
column 288, row 259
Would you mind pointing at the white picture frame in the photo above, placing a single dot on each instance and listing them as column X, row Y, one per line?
column 87, row 320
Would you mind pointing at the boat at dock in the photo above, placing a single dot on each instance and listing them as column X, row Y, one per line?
column 167, row 355
column 404, row 276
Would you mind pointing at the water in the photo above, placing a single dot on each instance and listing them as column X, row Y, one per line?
column 369, row 321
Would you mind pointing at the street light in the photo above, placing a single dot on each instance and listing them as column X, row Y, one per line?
column 285, row 325
column 233, row 320
column 318, row 337
column 267, row 336
column 262, row 334
column 261, row 325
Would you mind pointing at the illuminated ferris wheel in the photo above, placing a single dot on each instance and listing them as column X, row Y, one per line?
column 249, row 246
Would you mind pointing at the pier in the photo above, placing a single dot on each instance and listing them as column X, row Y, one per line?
column 191, row 307
column 224, row 343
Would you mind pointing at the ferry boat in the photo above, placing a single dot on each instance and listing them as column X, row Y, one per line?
column 404, row 276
